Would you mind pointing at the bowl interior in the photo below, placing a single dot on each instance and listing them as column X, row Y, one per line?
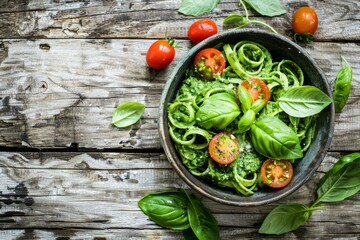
column 280, row 48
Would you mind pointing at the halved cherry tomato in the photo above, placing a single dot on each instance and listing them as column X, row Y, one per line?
column 257, row 89
column 224, row 148
column 305, row 21
column 276, row 173
column 160, row 54
column 201, row 30
column 209, row 62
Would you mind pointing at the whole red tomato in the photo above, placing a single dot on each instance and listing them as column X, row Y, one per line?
column 305, row 21
column 160, row 54
column 202, row 29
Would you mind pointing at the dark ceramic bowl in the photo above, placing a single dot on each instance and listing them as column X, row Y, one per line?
column 282, row 48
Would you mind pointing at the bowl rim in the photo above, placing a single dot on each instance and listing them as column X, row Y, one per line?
column 168, row 151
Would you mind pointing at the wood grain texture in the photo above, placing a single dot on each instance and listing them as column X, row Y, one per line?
column 57, row 93
column 66, row 173
column 154, row 19
column 99, row 192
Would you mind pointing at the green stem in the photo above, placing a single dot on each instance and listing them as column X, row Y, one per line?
column 264, row 24
column 246, row 12
column 313, row 208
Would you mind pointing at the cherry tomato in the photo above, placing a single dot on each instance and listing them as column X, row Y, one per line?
column 202, row 29
column 209, row 62
column 305, row 21
column 224, row 148
column 257, row 89
column 160, row 54
column 276, row 173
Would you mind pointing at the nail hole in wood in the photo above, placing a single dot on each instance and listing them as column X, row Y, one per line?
column 44, row 46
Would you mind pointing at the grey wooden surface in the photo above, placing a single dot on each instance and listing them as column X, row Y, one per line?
column 67, row 173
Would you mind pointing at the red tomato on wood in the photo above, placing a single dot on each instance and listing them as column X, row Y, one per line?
column 305, row 20
column 201, row 30
column 209, row 62
column 160, row 54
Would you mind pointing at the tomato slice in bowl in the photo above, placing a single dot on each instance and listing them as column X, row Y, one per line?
column 276, row 173
column 224, row 148
column 257, row 89
column 209, row 62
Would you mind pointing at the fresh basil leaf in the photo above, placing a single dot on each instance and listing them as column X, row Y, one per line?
column 127, row 114
column 272, row 138
column 269, row 8
column 189, row 234
column 342, row 86
column 210, row 115
column 341, row 184
column 235, row 18
column 167, row 209
column 244, row 97
column 197, row 7
column 303, row 101
column 346, row 159
column 285, row 218
column 202, row 222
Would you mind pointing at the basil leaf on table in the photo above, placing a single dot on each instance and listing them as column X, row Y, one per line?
column 341, row 184
column 269, row 8
column 342, row 86
column 167, row 209
column 303, row 101
column 202, row 222
column 189, row 234
column 127, row 114
column 197, row 7
column 285, row 218
column 272, row 138
column 346, row 159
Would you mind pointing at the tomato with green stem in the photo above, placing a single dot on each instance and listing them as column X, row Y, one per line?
column 224, row 148
column 209, row 62
column 160, row 54
column 304, row 24
column 305, row 20
column 276, row 173
column 202, row 29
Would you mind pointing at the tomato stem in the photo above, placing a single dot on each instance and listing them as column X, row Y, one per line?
column 172, row 43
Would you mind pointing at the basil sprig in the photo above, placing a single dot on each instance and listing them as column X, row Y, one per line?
column 339, row 183
column 268, row 8
column 127, row 114
column 167, row 209
column 180, row 210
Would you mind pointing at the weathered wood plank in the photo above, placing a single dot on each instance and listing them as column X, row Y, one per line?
column 61, row 93
column 64, row 186
column 136, row 234
column 141, row 19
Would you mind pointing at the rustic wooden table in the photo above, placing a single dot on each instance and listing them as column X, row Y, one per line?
column 67, row 173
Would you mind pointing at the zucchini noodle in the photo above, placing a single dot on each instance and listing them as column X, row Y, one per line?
column 245, row 60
